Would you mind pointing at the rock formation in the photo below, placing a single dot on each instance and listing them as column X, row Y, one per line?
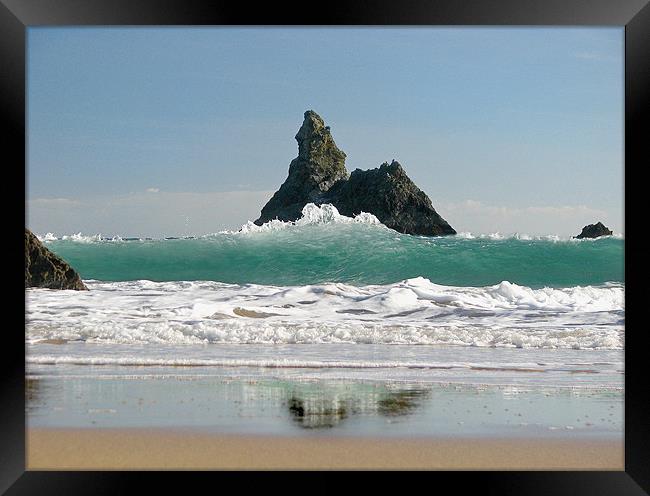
column 44, row 269
column 594, row 231
column 318, row 175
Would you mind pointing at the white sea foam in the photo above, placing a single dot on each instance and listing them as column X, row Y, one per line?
column 555, row 238
column 311, row 215
column 78, row 238
column 414, row 311
column 275, row 363
column 47, row 238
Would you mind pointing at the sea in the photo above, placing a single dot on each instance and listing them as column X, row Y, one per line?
column 332, row 322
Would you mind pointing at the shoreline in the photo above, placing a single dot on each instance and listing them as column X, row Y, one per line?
column 151, row 449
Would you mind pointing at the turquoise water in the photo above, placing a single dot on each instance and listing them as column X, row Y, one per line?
column 357, row 254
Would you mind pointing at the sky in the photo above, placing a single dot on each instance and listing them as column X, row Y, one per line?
column 188, row 131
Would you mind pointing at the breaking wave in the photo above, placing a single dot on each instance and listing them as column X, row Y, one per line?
column 413, row 311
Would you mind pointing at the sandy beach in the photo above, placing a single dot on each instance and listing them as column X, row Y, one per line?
column 120, row 449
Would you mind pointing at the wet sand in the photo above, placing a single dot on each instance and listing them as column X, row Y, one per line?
column 123, row 449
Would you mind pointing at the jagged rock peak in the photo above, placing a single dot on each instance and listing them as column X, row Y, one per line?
column 313, row 132
column 315, row 141
column 394, row 167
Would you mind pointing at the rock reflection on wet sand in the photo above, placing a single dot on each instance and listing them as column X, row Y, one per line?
column 281, row 406
column 323, row 409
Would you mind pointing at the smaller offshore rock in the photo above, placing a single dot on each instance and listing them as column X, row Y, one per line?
column 594, row 231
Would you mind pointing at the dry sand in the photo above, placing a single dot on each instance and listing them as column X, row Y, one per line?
column 92, row 449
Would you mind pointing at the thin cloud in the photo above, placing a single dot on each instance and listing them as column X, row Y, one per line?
column 592, row 56
column 186, row 213
column 147, row 214
column 478, row 217
column 62, row 202
column 477, row 206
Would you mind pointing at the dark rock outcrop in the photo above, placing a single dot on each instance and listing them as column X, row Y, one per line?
column 44, row 269
column 389, row 194
column 318, row 175
column 594, row 231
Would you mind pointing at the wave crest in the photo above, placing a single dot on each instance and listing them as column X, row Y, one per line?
column 312, row 214
column 555, row 238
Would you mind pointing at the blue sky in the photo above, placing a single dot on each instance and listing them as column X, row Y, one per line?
column 166, row 131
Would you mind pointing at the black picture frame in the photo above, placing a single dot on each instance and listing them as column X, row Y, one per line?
column 17, row 15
